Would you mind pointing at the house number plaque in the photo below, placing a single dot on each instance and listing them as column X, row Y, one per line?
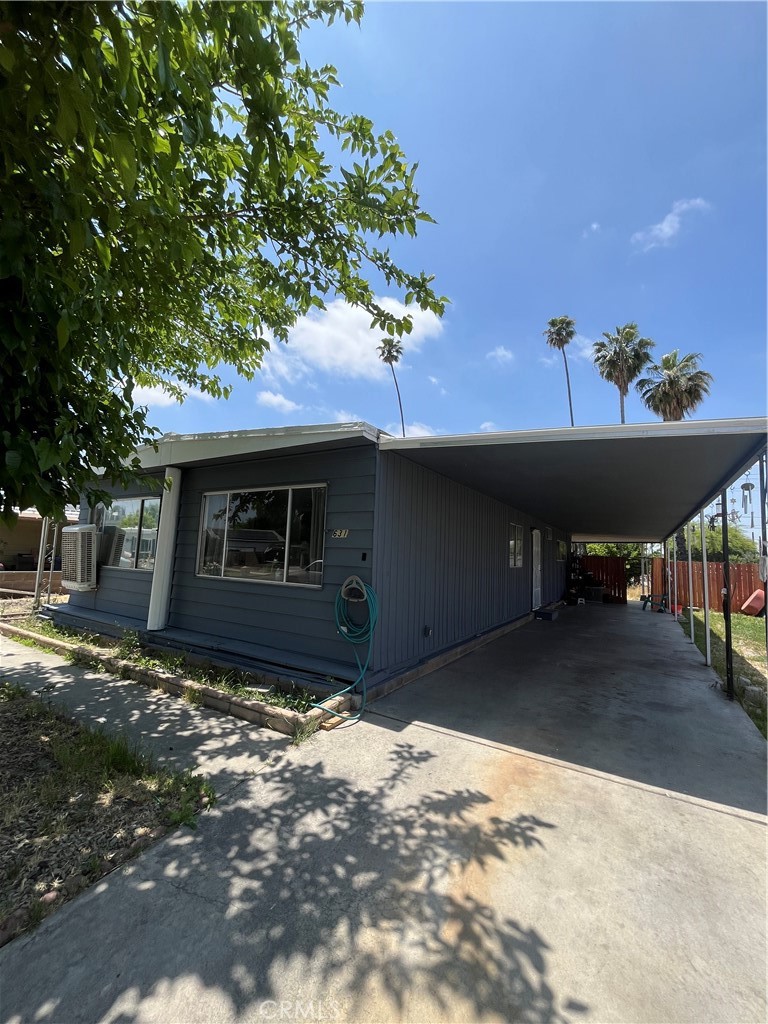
column 340, row 534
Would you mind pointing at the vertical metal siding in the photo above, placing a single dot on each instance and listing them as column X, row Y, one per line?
column 442, row 563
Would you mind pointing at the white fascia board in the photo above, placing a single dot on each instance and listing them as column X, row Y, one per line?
column 680, row 428
column 181, row 449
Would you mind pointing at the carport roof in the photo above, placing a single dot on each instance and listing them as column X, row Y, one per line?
column 634, row 482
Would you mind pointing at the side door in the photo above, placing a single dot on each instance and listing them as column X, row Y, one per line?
column 535, row 569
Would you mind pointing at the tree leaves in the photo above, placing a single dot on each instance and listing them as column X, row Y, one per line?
column 166, row 205
column 125, row 157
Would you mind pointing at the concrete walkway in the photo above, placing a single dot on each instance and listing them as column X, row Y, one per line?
column 522, row 836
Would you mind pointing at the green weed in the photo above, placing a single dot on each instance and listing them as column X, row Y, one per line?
column 193, row 697
column 302, row 731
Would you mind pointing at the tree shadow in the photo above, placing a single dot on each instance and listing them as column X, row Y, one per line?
column 304, row 897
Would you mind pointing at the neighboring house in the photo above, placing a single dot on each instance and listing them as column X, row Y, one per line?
column 460, row 537
column 20, row 542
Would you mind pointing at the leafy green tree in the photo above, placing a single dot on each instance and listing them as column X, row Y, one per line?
column 676, row 386
column 631, row 553
column 560, row 332
column 621, row 357
column 390, row 352
column 741, row 547
column 167, row 207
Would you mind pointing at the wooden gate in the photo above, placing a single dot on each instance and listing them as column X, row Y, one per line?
column 611, row 572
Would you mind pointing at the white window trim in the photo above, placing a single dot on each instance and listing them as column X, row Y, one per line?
column 129, row 497
column 519, row 557
column 285, row 582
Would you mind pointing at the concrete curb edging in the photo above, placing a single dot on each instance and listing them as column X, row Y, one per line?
column 260, row 713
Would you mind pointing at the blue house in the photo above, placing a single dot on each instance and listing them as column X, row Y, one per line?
column 235, row 545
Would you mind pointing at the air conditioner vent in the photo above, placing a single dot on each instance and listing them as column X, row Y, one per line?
column 79, row 545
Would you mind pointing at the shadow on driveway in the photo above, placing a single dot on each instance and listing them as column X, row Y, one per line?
column 604, row 687
column 308, row 897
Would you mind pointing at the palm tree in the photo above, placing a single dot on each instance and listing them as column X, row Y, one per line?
column 561, row 331
column 390, row 350
column 676, row 386
column 621, row 358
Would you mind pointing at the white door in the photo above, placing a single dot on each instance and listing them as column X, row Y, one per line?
column 536, row 569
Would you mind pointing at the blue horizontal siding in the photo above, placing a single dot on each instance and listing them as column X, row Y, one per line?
column 287, row 619
column 120, row 591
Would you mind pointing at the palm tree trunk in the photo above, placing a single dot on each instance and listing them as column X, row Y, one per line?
column 621, row 404
column 568, row 383
column 399, row 401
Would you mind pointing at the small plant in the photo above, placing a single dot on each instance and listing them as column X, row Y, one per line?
column 91, row 865
column 195, row 793
column 129, row 647
column 11, row 691
column 94, row 752
column 37, row 911
column 303, row 730
column 193, row 696
column 296, row 699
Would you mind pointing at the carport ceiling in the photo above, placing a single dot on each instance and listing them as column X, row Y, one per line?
column 631, row 482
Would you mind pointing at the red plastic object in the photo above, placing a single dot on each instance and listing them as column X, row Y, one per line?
column 755, row 604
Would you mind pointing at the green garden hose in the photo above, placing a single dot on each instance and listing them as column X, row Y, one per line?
column 357, row 634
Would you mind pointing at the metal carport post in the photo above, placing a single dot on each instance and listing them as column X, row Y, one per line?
column 727, row 596
column 705, row 575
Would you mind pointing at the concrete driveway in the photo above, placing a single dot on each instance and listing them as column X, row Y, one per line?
column 563, row 826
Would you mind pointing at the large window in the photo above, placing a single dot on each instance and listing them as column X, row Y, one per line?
column 273, row 535
column 515, row 546
column 128, row 532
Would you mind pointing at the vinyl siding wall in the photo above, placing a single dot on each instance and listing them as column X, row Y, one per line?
column 287, row 620
column 442, row 561
column 121, row 592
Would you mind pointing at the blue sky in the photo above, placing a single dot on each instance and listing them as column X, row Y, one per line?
column 605, row 161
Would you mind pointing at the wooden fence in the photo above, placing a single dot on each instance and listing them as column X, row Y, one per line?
column 611, row 572
column 744, row 582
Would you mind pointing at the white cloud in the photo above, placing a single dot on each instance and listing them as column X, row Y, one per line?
column 274, row 400
column 157, row 398
column 339, row 341
column 500, row 355
column 488, row 426
column 664, row 233
column 580, row 348
column 593, row 229
column 438, row 385
column 343, row 416
column 415, row 429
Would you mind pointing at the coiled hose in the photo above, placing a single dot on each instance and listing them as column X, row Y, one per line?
column 357, row 634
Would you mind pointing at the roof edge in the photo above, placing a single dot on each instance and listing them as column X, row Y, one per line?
column 692, row 428
column 181, row 449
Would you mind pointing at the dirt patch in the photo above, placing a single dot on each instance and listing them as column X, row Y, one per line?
column 76, row 803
